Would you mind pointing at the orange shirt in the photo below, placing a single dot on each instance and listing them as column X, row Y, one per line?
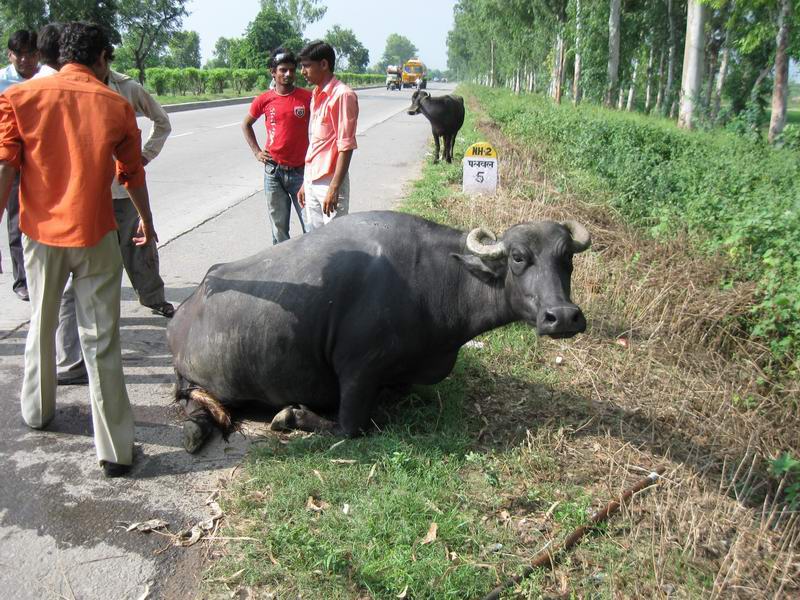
column 334, row 116
column 63, row 133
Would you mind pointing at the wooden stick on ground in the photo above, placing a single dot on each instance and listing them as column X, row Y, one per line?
column 546, row 558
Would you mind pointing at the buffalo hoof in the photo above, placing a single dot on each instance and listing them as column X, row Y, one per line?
column 195, row 433
column 284, row 420
column 303, row 419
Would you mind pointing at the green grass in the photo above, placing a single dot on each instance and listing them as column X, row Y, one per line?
column 420, row 469
column 179, row 99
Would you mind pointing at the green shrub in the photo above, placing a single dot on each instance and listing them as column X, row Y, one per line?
column 178, row 81
column 244, row 79
column 731, row 193
column 218, row 79
column 196, row 79
column 357, row 79
column 157, row 79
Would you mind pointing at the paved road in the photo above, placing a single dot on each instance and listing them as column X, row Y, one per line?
column 60, row 534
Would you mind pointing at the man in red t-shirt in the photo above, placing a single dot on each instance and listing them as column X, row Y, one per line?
column 286, row 110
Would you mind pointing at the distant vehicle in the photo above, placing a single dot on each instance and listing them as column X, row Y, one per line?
column 394, row 78
column 415, row 74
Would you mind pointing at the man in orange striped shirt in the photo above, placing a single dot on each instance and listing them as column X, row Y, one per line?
column 62, row 133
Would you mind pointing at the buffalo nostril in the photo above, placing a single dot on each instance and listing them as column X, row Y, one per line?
column 550, row 318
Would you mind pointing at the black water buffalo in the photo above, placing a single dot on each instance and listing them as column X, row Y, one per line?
column 372, row 302
column 446, row 114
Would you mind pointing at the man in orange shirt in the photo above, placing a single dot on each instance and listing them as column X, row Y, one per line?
column 334, row 117
column 62, row 133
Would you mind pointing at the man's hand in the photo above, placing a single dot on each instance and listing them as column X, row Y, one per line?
column 145, row 233
column 301, row 196
column 331, row 202
column 262, row 156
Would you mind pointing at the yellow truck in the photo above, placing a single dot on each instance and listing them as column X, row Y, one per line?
column 415, row 74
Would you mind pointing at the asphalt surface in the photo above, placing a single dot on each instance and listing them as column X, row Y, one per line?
column 62, row 525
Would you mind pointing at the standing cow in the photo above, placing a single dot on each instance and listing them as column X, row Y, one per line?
column 446, row 114
column 371, row 302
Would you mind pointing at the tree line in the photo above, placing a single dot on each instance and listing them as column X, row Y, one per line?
column 705, row 62
column 148, row 33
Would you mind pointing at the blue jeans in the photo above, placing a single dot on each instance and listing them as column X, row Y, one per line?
column 281, row 187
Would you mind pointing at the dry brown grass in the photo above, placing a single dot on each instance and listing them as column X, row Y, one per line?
column 686, row 392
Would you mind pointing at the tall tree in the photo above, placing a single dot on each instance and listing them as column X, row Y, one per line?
column 32, row 14
column 347, row 46
column 692, row 80
column 149, row 25
column 398, row 50
column 269, row 30
column 222, row 53
column 671, row 58
column 184, row 50
column 613, row 52
column 780, row 88
column 300, row 13
column 576, row 73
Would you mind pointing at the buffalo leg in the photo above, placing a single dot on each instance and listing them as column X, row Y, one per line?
column 448, row 153
column 303, row 419
column 436, row 149
column 198, row 426
column 204, row 413
column 452, row 146
column 355, row 407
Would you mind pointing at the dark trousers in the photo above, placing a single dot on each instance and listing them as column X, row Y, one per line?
column 15, row 237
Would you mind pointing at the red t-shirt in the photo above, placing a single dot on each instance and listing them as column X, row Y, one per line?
column 287, row 124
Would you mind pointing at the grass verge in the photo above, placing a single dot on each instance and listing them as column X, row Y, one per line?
column 526, row 436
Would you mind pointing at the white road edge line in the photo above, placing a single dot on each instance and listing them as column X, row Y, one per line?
column 181, row 134
column 228, row 125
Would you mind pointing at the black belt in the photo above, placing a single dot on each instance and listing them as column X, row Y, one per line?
column 275, row 165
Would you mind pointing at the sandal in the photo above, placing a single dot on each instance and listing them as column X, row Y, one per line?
column 165, row 309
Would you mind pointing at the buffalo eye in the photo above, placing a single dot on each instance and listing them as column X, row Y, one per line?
column 518, row 257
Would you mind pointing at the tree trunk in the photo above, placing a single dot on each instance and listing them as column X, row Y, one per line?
column 140, row 65
column 713, row 62
column 692, row 80
column 648, row 92
column 559, row 74
column 660, row 95
column 632, row 89
column 668, row 93
column 491, row 64
column 723, row 71
column 613, row 51
column 723, row 66
column 620, row 98
column 576, row 80
column 780, row 88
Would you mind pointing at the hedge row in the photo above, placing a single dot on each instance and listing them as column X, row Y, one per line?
column 161, row 81
column 737, row 195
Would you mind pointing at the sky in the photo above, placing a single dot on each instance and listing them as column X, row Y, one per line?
column 425, row 22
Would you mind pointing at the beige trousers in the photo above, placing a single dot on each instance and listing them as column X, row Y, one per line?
column 96, row 274
column 315, row 196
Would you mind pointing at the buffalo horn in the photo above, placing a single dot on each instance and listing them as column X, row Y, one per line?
column 478, row 248
column 581, row 239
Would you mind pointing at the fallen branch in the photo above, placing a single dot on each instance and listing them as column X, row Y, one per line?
column 547, row 559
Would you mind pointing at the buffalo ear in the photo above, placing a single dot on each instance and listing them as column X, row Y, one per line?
column 488, row 271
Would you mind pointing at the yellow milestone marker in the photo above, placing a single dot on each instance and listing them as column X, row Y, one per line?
column 480, row 169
